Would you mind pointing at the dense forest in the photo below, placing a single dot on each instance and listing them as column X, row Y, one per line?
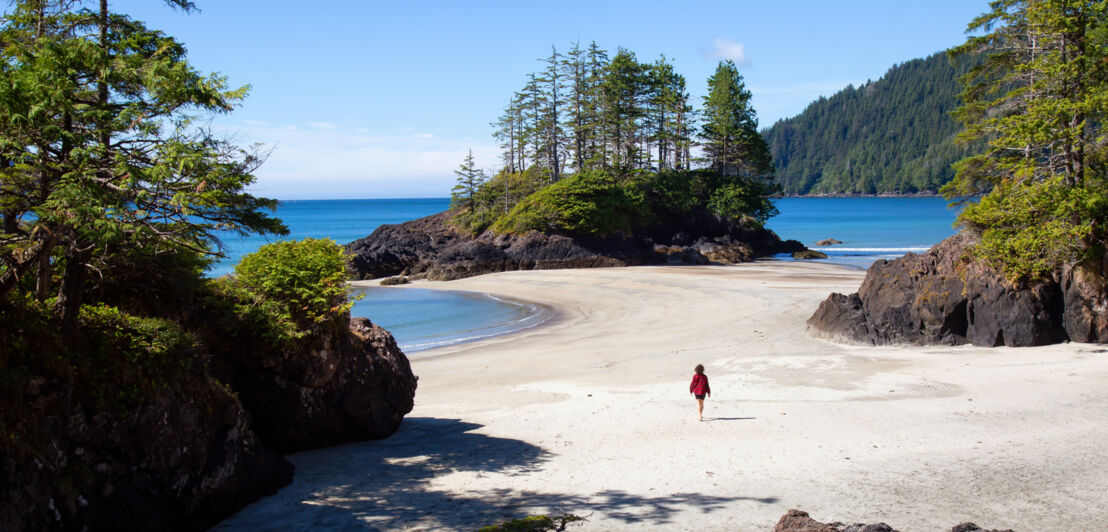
column 597, row 143
column 893, row 135
column 120, row 405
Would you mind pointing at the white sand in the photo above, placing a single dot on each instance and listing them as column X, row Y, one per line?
column 592, row 415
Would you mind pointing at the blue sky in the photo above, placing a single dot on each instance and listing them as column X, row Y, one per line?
column 371, row 99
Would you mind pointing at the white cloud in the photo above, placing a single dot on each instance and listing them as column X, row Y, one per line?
column 727, row 49
column 340, row 162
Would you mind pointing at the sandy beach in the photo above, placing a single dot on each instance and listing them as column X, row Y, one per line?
column 590, row 414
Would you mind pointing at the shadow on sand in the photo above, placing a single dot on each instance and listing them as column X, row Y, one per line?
column 389, row 484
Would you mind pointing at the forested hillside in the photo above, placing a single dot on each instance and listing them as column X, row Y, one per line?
column 893, row 135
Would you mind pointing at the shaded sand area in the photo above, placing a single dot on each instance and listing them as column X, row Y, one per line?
column 591, row 414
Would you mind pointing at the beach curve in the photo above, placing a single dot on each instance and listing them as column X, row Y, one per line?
column 590, row 414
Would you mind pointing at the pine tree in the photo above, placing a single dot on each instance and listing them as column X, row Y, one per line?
column 470, row 179
column 622, row 93
column 100, row 144
column 730, row 132
column 1038, row 100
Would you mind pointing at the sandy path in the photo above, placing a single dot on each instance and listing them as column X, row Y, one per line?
column 591, row 415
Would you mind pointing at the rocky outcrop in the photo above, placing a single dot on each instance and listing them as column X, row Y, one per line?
column 946, row 297
column 809, row 254
column 346, row 385
column 798, row 521
column 430, row 248
column 181, row 460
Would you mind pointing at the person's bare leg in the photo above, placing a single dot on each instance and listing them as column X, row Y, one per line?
column 700, row 410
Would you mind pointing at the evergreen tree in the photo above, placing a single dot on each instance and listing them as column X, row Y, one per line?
column 1039, row 100
column 897, row 130
column 730, row 132
column 550, row 122
column 668, row 109
column 99, row 150
column 470, row 178
column 597, row 139
column 575, row 71
column 622, row 93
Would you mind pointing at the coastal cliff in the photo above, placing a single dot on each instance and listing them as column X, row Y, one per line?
column 432, row 248
column 341, row 387
column 946, row 297
column 146, row 424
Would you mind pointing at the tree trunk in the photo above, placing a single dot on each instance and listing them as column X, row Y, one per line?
column 70, row 290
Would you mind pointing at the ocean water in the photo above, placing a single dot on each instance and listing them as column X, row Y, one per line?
column 341, row 220
column 870, row 229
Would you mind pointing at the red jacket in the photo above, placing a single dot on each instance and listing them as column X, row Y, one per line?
column 699, row 385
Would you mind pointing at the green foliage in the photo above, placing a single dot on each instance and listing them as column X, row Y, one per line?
column 131, row 358
column 587, row 111
column 1038, row 99
column 730, row 132
column 120, row 360
column 735, row 200
column 101, row 149
column 589, row 203
column 470, row 179
column 534, row 523
column 674, row 193
column 298, row 284
column 1029, row 229
column 893, row 135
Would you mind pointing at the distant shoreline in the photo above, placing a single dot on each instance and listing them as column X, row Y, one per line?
column 882, row 195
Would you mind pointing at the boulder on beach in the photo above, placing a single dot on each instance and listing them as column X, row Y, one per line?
column 800, row 521
column 809, row 254
column 346, row 385
column 946, row 297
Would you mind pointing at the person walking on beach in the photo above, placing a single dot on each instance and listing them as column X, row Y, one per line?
column 700, row 389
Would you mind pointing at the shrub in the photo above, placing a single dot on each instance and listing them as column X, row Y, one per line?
column 298, row 284
column 588, row 203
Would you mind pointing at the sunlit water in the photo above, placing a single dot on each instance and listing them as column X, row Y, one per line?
column 870, row 229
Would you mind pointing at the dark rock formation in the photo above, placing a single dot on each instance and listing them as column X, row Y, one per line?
column 970, row 527
column 798, row 521
column 828, row 242
column 347, row 385
column 809, row 254
column 945, row 297
column 432, row 249
column 182, row 460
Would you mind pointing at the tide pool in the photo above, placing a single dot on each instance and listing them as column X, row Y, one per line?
column 421, row 318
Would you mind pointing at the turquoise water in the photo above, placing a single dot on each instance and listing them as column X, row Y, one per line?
column 870, row 228
column 422, row 319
